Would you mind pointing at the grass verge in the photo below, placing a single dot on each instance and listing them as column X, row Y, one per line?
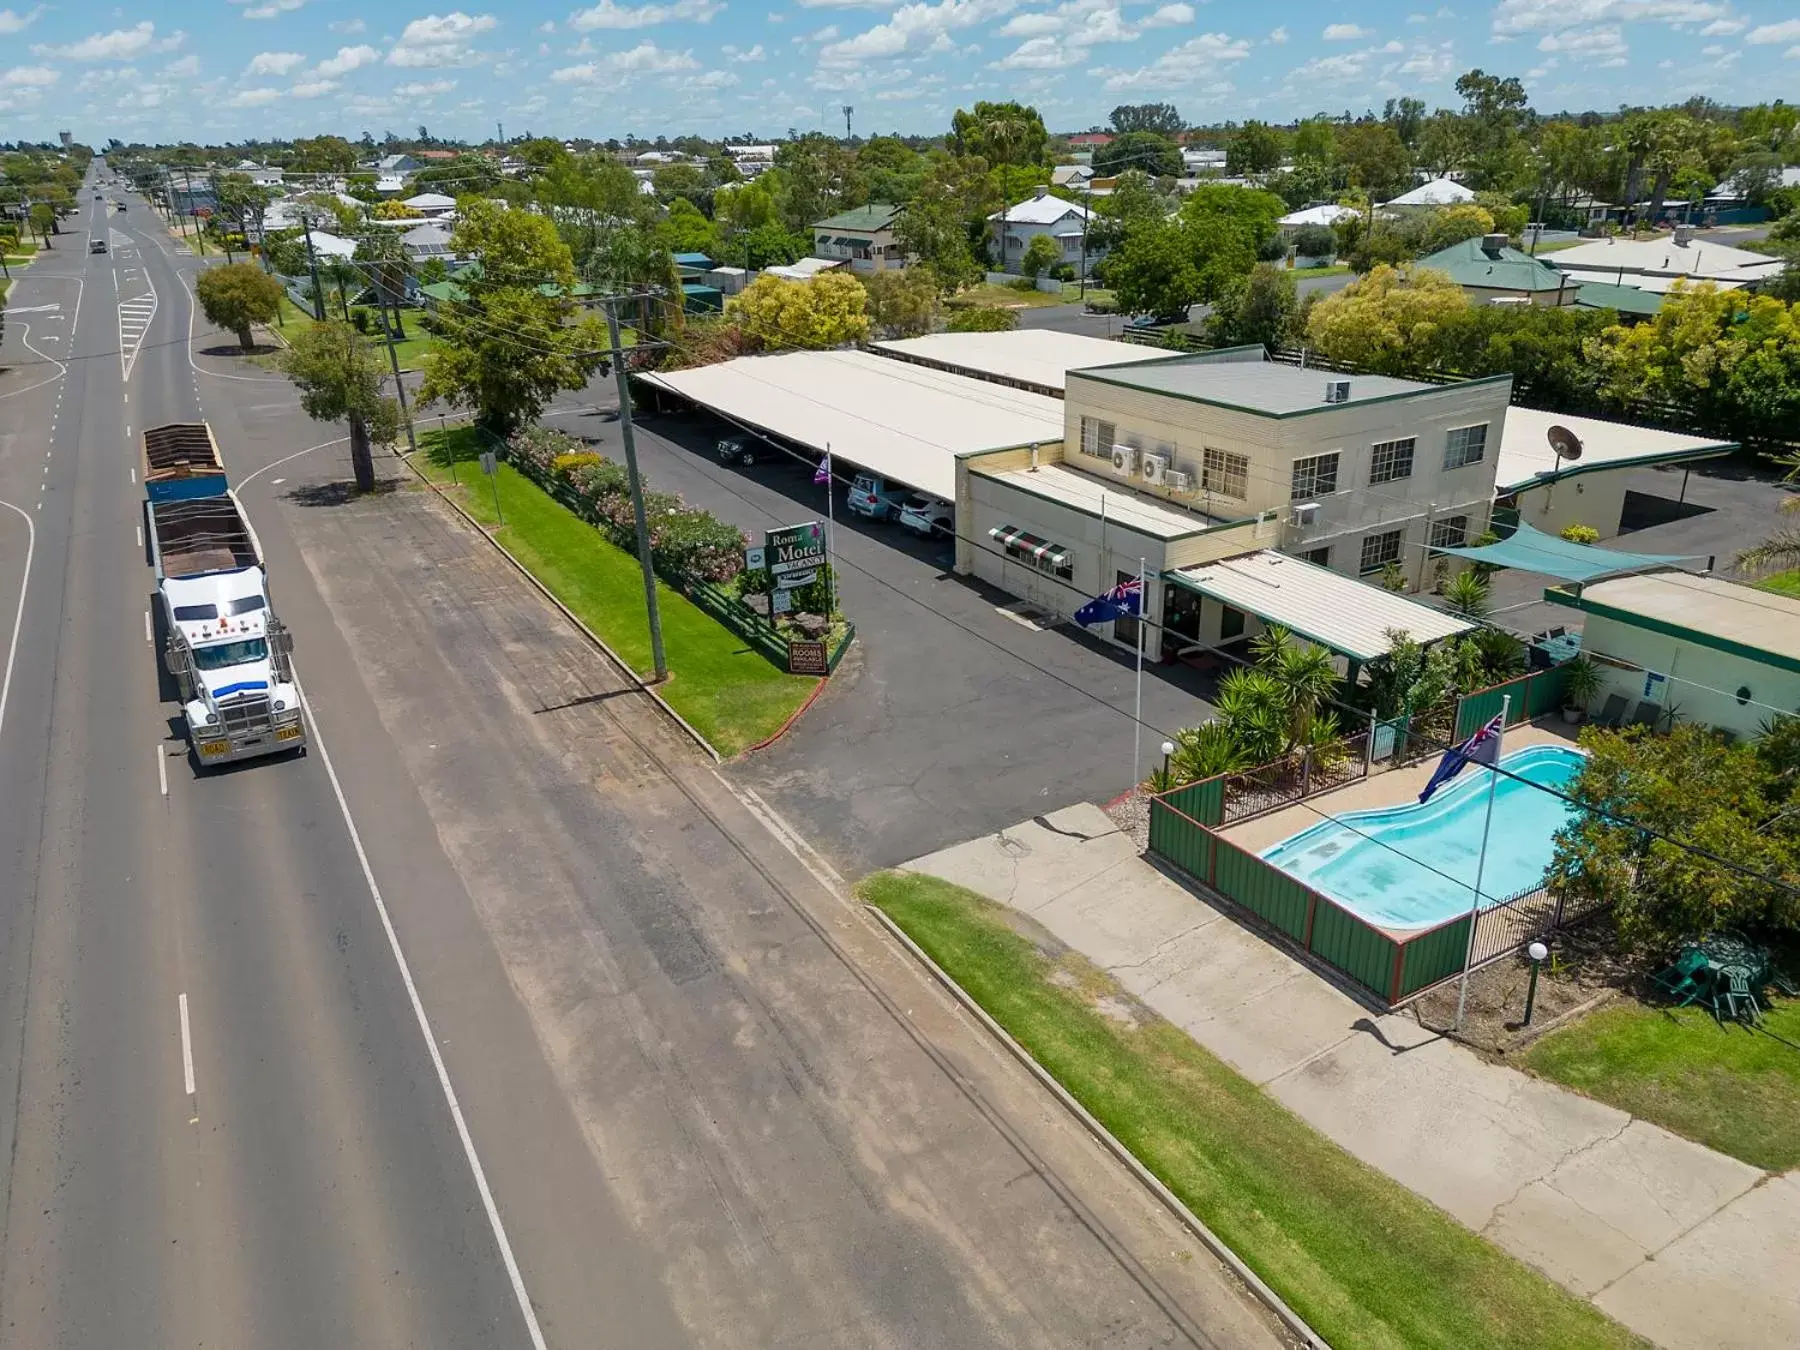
column 1367, row 1263
column 725, row 689
column 1730, row 1088
column 1024, row 296
column 1783, row 583
column 1330, row 270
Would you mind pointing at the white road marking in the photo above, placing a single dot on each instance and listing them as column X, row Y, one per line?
column 162, row 781
column 140, row 535
column 134, row 473
column 147, row 637
column 187, row 1047
column 12, row 649
column 437, row 1060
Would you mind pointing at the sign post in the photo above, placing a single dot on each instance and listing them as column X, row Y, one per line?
column 794, row 554
column 491, row 468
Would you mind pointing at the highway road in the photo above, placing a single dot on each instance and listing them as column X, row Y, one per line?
column 434, row 1037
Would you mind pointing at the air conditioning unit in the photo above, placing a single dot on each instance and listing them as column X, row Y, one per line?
column 1305, row 513
column 1177, row 481
column 1337, row 391
column 1125, row 458
column 1155, row 467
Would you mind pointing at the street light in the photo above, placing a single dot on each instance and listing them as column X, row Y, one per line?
column 1168, row 748
column 1537, row 951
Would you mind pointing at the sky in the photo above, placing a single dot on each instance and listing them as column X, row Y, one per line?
column 218, row 70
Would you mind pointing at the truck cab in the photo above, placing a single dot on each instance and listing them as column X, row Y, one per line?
column 232, row 660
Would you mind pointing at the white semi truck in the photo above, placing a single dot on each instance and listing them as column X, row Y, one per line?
column 229, row 654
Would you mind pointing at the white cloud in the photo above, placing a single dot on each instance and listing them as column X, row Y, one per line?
column 183, row 68
column 347, row 60
column 312, row 88
column 440, row 40
column 1031, row 25
column 1038, row 53
column 18, row 23
column 1346, row 32
column 1603, row 42
column 274, row 63
column 1616, row 62
column 913, row 28
column 269, row 9
column 608, row 14
column 122, row 44
column 644, row 59
column 1279, row 37
column 28, row 77
column 1769, row 33
column 755, row 53
column 1196, row 64
column 252, row 98
column 1723, row 28
column 348, row 27
column 1169, row 16
column 423, row 88
column 1550, row 16
column 838, row 4
column 714, row 79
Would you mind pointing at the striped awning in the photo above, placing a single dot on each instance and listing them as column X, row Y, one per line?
column 1011, row 536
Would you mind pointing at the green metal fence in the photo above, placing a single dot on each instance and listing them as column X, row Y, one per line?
column 1436, row 954
column 1267, row 892
column 1360, row 950
column 1532, row 696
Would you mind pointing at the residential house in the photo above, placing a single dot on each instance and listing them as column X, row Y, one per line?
column 428, row 240
column 1090, row 140
column 1655, row 265
column 1435, row 192
column 1075, row 177
column 863, row 237
column 751, row 160
column 1010, row 232
column 397, row 164
column 432, row 205
column 1491, row 271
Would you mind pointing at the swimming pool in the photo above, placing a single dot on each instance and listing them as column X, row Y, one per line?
column 1414, row 865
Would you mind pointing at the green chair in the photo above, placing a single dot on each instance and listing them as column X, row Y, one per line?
column 1740, row 1000
column 1681, row 981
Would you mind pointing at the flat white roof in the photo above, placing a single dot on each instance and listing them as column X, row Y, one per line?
column 1322, row 606
column 1715, row 612
column 903, row 422
column 1526, row 456
column 1066, row 486
column 1648, row 283
column 1663, row 256
column 1040, row 356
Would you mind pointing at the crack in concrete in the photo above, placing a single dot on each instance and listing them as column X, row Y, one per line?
column 1546, row 1175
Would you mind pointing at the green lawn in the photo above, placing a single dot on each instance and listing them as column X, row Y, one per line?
column 1730, row 1088
column 1330, row 270
column 1369, row 1264
column 1558, row 245
column 1024, row 296
column 724, row 688
column 1783, row 583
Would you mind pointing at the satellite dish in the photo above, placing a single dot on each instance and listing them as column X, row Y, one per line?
column 1565, row 442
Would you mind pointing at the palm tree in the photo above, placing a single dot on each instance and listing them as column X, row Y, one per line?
column 1305, row 675
column 1466, row 595
column 1253, row 706
column 1781, row 549
column 1003, row 133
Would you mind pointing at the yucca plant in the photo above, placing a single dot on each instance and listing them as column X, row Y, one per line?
column 1466, row 595
column 1205, row 751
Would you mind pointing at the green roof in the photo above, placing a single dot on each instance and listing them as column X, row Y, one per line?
column 1625, row 299
column 1504, row 269
column 445, row 292
column 874, row 216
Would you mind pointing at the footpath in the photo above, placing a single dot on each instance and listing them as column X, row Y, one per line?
column 1683, row 1245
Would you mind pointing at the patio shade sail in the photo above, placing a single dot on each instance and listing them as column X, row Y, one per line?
column 1530, row 550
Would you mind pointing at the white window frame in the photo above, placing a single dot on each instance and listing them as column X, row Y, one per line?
column 1364, row 567
column 1439, row 538
column 1453, row 448
column 1308, row 482
column 1217, row 475
column 1393, row 451
column 1104, row 435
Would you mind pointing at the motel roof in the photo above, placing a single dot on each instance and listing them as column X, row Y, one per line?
column 1034, row 358
column 1526, row 458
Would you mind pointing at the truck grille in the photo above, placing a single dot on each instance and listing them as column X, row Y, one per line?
column 246, row 716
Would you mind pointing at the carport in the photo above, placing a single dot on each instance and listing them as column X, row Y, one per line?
column 903, row 422
column 1242, row 595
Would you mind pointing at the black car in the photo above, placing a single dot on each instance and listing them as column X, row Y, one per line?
column 96, row 246
column 737, row 450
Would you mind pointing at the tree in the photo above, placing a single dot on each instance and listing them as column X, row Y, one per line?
column 1158, row 117
column 890, row 169
column 1260, row 308
column 1375, row 159
column 324, row 154
column 983, row 319
column 951, row 203
column 1314, row 241
column 902, row 304
column 1447, row 225
column 43, row 220
column 1494, row 113
column 395, row 209
column 817, row 178
column 1407, row 118
column 1382, row 322
column 1041, row 254
column 339, row 376
column 1227, row 229
column 679, row 180
column 1443, row 143
column 1315, row 139
column 237, row 296
column 1153, row 272
column 828, row 311
column 1147, row 151
column 381, row 255
column 242, row 201
column 1000, row 133
column 1256, row 148
column 515, row 342
column 1134, row 201
column 686, row 230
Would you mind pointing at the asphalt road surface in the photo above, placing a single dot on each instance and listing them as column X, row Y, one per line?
column 672, row 1090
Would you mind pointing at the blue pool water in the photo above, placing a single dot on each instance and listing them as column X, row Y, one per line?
column 1414, row 865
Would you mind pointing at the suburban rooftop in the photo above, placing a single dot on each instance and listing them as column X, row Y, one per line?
column 1269, row 388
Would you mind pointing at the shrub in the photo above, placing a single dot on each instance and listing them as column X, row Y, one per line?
column 1315, row 241
column 1581, row 534
column 568, row 461
column 1041, row 254
column 983, row 319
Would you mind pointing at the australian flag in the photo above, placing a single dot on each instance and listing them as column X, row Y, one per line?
column 1481, row 748
column 1127, row 598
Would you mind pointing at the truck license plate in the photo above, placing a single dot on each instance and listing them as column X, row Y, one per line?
column 214, row 748
column 287, row 733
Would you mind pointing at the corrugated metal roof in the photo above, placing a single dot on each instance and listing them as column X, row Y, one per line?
column 1434, row 192
column 1325, row 607
column 1039, row 356
column 1107, row 500
column 1504, row 269
column 903, row 422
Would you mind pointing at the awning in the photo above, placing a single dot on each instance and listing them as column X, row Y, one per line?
column 1011, row 536
column 1531, row 550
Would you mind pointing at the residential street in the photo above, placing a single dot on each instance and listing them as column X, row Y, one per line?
column 678, row 1089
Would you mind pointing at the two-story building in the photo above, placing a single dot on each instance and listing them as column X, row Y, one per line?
column 1011, row 231
column 864, row 238
column 1366, row 473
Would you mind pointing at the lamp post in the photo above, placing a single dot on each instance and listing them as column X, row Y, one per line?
column 1537, row 951
column 1168, row 748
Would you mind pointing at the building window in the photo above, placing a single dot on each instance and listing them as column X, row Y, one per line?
column 1391, row 460
column 1378, row 550
column 1315, row 477
column 1465, row 445
column 1318, row 557
column 1450, row 532
column 1097, row 437
column 1225, row 473
column 1057, row 564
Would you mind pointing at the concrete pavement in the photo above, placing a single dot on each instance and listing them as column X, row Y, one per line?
column 1684, row 1245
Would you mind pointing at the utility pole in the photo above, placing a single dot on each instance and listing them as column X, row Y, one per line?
column 312, row 265
column 637, row 491
column 848, row 138
column 387, row 329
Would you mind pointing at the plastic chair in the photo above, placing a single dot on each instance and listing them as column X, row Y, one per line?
column 1680, row 980
column 1739, row 999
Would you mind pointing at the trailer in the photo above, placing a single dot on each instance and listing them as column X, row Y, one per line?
column 181, row 462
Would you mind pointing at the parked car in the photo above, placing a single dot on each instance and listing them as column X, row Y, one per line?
column 739, row 449
column 120, row 207
column 875, row 497
column 928, row 515
column 96, row 246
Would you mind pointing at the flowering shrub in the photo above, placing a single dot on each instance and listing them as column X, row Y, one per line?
column 686, row 543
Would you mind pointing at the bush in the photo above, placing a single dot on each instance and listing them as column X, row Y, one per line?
column 1063, row 272
column 1581, row 534
column 1315, row 241
column 570, row 460
column 1041, row 254
column 983, row 319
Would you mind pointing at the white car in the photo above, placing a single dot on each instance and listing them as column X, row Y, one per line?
column 928, row 516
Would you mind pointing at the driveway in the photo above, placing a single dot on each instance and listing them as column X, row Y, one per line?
column 949, row 715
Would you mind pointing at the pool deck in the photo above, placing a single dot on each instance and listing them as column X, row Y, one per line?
column 1384, row 787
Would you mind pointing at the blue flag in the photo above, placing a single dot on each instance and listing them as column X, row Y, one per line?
column 1481, row 748
column 1127, row 598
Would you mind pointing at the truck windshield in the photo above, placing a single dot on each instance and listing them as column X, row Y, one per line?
column 223, row 654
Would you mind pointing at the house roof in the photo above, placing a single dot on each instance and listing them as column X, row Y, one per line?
column 1473, row 263
column 804, row 270
column 1104, row 498
column 1662, row 256
column 1625, row 299
column 1642, row 281
column 1434, row 192
column 1246, row 380
column 1045, row 210
column 1316, row 215
column 1324, row 607
column 1526, row 459
column 874, row 216
column 1707, row 611
column 423, row 200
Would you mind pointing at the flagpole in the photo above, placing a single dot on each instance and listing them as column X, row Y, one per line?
column 1137, row 720
column 1462, row 995
column 830, row 529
